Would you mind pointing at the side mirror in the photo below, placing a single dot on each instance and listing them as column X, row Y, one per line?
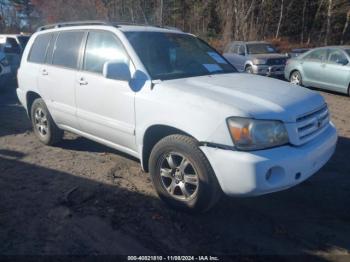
column 117, row 70
column 343, row 61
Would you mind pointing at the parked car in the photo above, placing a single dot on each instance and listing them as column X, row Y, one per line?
column 13, row 46
column 297, row 52
column 326, row 68
column 170, row 100
column 256, row 58
column 5, row 70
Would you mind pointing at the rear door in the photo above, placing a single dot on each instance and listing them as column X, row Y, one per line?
column 105, row 107
column 313, row 68
column 232, row 55
column 337, row 71
column 241, row 58
column 58, row 76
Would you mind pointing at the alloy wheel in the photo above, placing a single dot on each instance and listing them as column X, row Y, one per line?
column 295, row 78
column 179, row 177
column 41, row 122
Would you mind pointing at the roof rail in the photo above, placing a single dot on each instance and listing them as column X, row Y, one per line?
column 98, row 22
column 74, row 23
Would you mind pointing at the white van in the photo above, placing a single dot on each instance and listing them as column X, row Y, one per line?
column 169, row 99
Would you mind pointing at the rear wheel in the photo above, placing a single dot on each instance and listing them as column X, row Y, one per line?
column 44, row 127
column 296, row 79
column 182, row 175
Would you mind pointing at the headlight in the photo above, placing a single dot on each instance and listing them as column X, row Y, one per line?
column 259, row 61
column 250, row 134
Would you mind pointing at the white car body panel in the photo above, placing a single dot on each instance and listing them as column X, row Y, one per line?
column 118, row 115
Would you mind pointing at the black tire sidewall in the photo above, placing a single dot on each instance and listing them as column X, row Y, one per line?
column 249, row 70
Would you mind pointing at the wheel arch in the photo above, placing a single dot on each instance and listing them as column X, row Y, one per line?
column 30, row 98
column 248, row 63
column 152, row 136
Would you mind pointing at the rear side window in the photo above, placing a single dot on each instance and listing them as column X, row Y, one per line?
column 38, row 52
column 102, row 47
column 67, row 49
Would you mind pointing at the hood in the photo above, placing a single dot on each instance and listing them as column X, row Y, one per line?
column 267, row 56
column 251, row 95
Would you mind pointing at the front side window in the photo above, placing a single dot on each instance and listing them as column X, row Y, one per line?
column 176, row 55
column 235, row 49
column 67, row 49
column 102, row 47
column 317, row 55
column 336, row 56
column 38, row 52
column 241, row 50
column 261, row 48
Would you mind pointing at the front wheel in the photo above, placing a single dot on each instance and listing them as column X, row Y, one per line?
column 295, row 78
column 249, row 70
column 182, row 175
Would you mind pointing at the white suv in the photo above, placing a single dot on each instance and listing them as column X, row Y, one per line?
column 169, row 99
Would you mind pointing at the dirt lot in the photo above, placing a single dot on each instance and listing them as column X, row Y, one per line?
column 83, row 198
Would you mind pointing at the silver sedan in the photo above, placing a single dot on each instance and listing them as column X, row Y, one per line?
column 325, row 67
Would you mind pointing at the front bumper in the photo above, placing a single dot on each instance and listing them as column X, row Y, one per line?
column 268, row 70
column 266, row 171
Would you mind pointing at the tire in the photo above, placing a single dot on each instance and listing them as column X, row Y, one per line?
column 296, row 78
column 249, row 70
column 44, row 127
column 182, row 175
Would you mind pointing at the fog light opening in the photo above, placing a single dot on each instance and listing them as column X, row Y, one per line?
column 275, row 175
column 297, row 176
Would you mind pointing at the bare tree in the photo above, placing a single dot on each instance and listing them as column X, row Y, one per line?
column 280, row 20
column 329, row 17
column 346, row 25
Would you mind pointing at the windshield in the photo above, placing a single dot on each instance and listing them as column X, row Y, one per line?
column 171, row 55
column 261, row 49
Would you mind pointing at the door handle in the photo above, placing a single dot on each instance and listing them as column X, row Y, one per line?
column 83, row 82
column 44, row 72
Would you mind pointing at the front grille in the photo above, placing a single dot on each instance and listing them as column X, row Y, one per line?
column 276, row 61
column 312, row 123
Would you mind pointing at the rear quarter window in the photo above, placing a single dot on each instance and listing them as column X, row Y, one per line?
column 67, row 49
column 38, row 52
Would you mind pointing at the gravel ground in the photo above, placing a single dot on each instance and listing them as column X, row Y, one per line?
column 83, row 198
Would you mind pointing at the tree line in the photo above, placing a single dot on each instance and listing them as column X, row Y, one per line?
column 307, row 22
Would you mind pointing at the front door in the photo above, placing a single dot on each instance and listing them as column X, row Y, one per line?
column 313, row 68
column 105, row 107
column 337, row 71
